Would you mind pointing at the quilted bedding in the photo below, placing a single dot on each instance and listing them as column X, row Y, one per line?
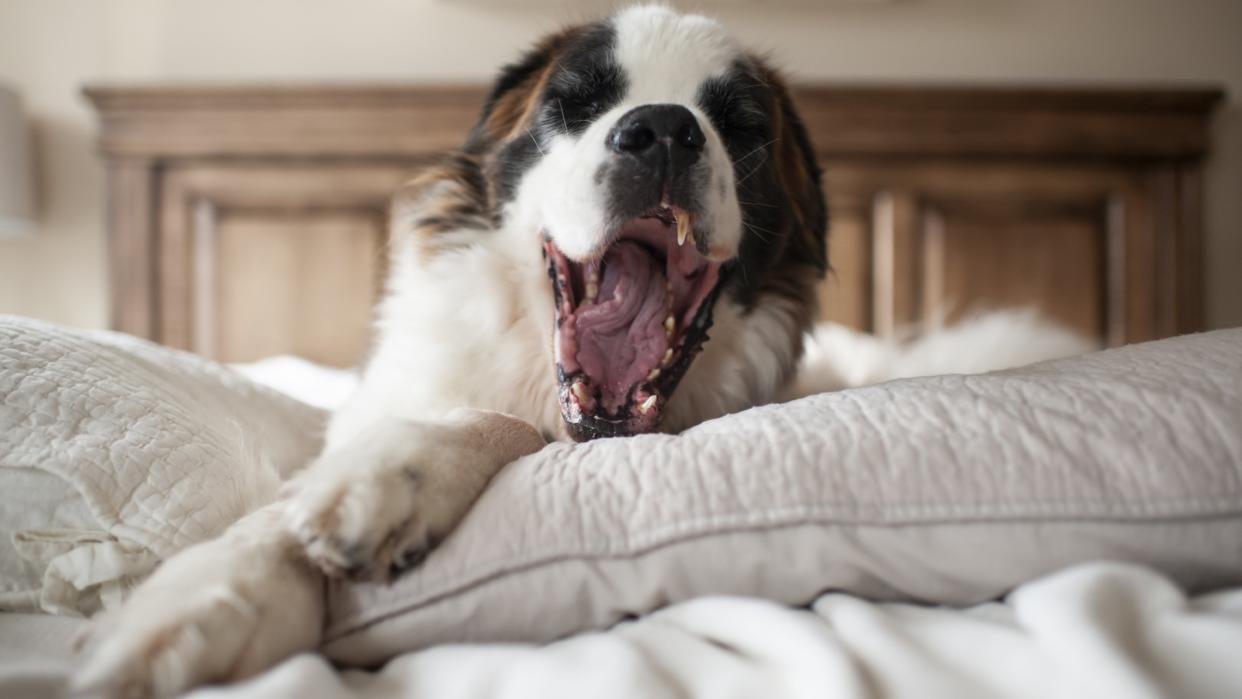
column 115, row 453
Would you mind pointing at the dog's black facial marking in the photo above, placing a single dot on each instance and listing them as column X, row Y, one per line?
column 579, row 80
column 777, row 180
column 586, row 83
column 512, row 161
column 735, row 105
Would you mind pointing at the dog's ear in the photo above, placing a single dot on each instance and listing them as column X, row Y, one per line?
column 795, row 165
column 784, row 251
column 514, row 96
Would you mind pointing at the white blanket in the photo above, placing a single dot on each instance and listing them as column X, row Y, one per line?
column 1098, row 630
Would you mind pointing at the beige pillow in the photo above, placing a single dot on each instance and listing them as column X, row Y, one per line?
column 947, row 489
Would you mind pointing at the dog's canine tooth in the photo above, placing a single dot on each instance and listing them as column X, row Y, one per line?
column 646, row 406
column 655, row 374
column 683, row 227
column 580, row 393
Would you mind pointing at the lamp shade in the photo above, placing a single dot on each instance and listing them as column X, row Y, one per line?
column 16, row 181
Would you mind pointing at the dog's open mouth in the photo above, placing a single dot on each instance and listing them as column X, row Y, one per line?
column 629, row 323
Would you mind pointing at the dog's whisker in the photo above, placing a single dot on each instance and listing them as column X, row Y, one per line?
column 756, row 150
column 753, row 170
column 755, row 229
column 535, row 141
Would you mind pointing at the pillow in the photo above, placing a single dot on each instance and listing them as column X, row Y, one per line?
column 115, row 453
column 949, row 489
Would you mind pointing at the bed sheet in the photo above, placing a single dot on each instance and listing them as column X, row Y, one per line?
column 1095, row 630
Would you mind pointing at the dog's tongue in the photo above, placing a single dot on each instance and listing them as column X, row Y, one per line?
column 621, row 336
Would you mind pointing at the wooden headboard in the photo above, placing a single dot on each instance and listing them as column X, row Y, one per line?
column 245, row 222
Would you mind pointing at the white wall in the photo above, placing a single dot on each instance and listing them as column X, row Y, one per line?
column 48, row 48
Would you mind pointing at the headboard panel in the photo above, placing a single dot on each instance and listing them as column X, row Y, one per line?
column 245, row 222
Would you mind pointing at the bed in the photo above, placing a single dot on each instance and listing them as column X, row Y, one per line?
column 941, row 198
column 946, row 536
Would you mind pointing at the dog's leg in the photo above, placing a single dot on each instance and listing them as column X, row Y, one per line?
column 376, row 504
column 218, row 611
column 234, row 606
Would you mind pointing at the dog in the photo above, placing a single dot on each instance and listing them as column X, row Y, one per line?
column 631, row 187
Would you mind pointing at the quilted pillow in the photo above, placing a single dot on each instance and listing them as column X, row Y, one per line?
column 949, row 489
column 116, row 453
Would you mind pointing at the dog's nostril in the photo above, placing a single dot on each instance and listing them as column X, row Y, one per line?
column 633, row 137
column 691, row 136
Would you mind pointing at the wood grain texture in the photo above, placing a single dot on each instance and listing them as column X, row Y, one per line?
column 246, row 220
column 1004, row 256
column 395, row 121
column 132, row 242
column 293, row 283
column 267, row 259
column 845, row 295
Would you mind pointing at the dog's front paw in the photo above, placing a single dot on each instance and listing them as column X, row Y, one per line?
column 378, row 504
column 360, row 521
column 218, row 611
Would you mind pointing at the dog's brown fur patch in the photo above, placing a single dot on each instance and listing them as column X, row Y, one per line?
column 456, row 194
column 796, row 255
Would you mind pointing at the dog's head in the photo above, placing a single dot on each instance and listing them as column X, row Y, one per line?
column 665, row 172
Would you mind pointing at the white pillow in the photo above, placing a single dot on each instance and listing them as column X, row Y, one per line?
column 947, row 489
column 116, row 453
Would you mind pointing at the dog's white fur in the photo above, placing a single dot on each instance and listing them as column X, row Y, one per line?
column 462, row 332
column 837, row 357
column 667, row 58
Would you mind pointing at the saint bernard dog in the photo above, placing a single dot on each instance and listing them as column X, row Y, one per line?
column 628, row 241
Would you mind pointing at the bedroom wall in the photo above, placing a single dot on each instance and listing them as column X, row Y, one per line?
column 48, row 48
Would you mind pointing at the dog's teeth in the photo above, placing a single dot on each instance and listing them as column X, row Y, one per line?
column 683, row 227
column 646, row 406
column 580, row 393
column 669, row 325
column 655, row 374
column 668, row 357
column 592, row 283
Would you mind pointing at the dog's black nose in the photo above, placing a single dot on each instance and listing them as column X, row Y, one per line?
column 649, row 130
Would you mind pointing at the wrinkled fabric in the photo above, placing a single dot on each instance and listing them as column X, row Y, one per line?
column 950, row 489
column 1097, row 630
column 947, row 489
column 116, row 453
